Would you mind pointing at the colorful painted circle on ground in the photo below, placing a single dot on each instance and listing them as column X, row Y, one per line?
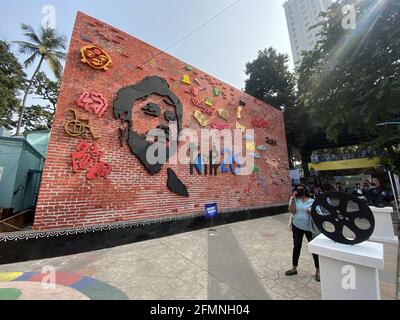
column 67, row 286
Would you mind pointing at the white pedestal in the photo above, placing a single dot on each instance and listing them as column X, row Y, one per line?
column 348, row 272
column 383, row 231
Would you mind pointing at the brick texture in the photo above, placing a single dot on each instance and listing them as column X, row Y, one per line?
column 68, row 199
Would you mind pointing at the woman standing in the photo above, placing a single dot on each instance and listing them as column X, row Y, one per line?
column 300, row 206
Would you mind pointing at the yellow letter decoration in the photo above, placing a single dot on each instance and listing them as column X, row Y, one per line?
column 241, row 127
column 208, row 102
column 224, row 114
column 201, row 119
column 186, row 79
column 95, row 57
column 239, row 110
column 250, row 146
column 79, row 127
column 153, row 63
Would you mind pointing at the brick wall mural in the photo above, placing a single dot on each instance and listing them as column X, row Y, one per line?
column 115, row 89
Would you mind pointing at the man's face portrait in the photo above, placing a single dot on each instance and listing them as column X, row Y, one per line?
column 144, row 106
column 153, row 112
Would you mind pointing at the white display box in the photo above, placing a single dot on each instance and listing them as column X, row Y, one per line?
column 383, row 231
column 348, row 272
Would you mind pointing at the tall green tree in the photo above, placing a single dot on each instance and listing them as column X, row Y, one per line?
column 12, row 80
column 40, row 116
column 47, row 89
column 350, row 82
column 271, row 81
column 45, row 46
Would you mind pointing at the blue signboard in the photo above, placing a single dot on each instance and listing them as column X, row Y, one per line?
column 211, row 210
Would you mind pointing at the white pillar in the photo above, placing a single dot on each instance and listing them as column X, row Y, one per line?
column 348, row 272
column 383, row 231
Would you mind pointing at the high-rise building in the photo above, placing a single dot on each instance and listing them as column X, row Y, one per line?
column 300, row 16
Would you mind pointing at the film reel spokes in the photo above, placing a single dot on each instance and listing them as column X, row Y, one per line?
column 343, row 217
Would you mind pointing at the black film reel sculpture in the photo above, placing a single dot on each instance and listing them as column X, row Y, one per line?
column 332, row 212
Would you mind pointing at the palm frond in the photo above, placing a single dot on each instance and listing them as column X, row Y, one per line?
column 56, row 43
column 31, row 59
column 60, row 43
column 50, row 36
column 30, row 33
column 45, row 43
column 26, row 47
column 55, row 65
column 60, row 55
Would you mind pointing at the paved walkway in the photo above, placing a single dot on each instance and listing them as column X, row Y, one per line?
column 244, row 260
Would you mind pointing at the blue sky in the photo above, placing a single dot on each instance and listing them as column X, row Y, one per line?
column 221, row 48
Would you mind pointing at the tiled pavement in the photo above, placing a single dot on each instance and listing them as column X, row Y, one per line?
column 244, row 260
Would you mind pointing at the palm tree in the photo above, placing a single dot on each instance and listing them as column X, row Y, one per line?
column 46, row 45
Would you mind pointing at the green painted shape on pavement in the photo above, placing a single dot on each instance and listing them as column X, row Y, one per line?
column 10, row 294
column 99, row 290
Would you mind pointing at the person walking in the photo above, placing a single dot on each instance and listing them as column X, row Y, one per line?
column 300, row 206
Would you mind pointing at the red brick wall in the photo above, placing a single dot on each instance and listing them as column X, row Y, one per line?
column 70, row 200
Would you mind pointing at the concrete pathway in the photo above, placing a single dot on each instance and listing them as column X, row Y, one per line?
column 244, row 260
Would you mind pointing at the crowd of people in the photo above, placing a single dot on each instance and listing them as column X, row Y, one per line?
column 371, row 193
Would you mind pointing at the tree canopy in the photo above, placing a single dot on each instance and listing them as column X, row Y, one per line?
column 350, row 82
column 271, row 81
column 45, row 45
column 40, row 116
column 12, row 80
